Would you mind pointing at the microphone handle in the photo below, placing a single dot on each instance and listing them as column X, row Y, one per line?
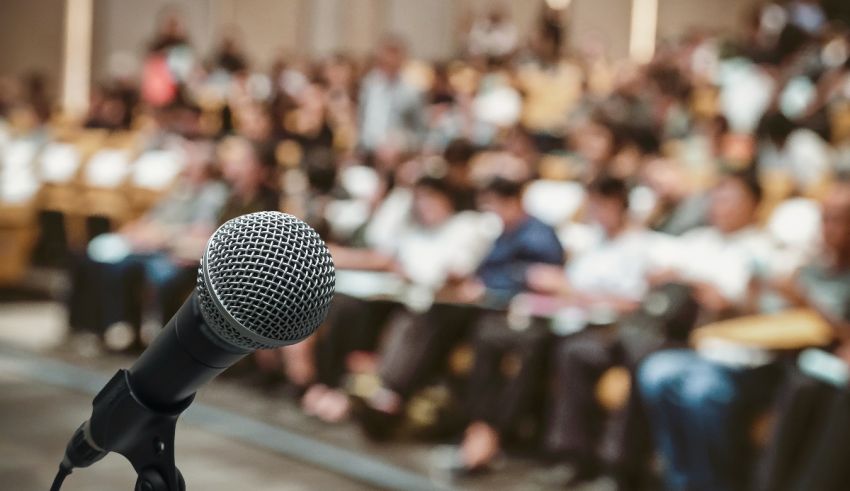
column 183, row 357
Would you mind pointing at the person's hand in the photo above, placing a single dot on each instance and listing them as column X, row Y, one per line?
column 396, row 268
column 470, row 291
column 547, row 279
column 387, row 156
column 662, row 277
column 144, row 237
column 710, row 298
column 788, row 287
column 187, row 249
column 843, row 351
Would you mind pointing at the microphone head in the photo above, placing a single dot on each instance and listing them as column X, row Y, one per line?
column 266, row 280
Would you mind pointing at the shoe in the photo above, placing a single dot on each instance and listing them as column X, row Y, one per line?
column 119, row 336
column 377, row 425
column 447, row 461
column 149, row 331
column 87, row 344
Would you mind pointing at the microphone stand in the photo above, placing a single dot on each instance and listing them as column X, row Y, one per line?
column 145, row 436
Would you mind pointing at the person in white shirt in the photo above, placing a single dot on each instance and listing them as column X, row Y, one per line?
column 392, row 117
column 613, row 267
column 493, row 35
column 699, row 408
column 793, row 151
column 612, row 273
column 716, row 263
column 431, row 244
column 721, row 260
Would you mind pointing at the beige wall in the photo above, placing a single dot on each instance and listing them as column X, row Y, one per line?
column 122, row 29
column 676, row 16
column 601, row 21
column 31, row 37
column 31, row 30
column 266, row 27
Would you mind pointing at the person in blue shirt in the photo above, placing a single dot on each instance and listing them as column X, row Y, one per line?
column 419, row 345
column 525, row 240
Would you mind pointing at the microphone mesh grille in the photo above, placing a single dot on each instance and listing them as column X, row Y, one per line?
column 272, row 274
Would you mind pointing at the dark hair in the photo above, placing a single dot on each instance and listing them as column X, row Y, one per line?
column 503, row 188
column 611, row 188
column 320, row 165
column 791, row 40
column 436, row 184
column 750, row 181
column 775, row 126
column 265, row 153
column 459, row 151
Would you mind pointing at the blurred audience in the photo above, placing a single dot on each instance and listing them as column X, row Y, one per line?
column 510, row 225
column 418, row 348
column 811, row 421
column 159, row 249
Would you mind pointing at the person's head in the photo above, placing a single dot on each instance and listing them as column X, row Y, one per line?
column 457, row 155
column 835, row 216
column 608, row 203
column 734, row 201
column 199, row 160
column 171, row 24
column 503, row 197
column 459, row 152
column 247, row 166
column 666, row 178
column 391, row 55
column 255, row 122
column 339, row 72
column 320, row 165
column 593, row 141
column 776, row 127
column 432, row 201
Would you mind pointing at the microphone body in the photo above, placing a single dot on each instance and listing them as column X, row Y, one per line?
column 182, row 358
column 265, row 280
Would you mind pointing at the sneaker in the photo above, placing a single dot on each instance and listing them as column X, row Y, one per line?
column 87, row 344
column 149, row 331
column 119, row 336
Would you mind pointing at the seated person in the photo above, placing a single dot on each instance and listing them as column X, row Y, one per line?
column 813, row 419
column 720, row 260
column 678, row 207
column 249, row 171
column 700, row 409
column 429, row 245
column 610, row 275
column 418, row 348
column 152, row 248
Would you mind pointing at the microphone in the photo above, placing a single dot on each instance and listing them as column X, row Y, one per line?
column 265, row 280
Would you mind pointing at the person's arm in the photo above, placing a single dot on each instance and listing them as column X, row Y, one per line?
column 619, row 303
column 711, row 298
column 791, row 289
column 363, row 259
column 144, row 235
column 548, row 279
column 189, row 244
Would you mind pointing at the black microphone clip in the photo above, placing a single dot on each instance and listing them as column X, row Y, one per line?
column 145, row 436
